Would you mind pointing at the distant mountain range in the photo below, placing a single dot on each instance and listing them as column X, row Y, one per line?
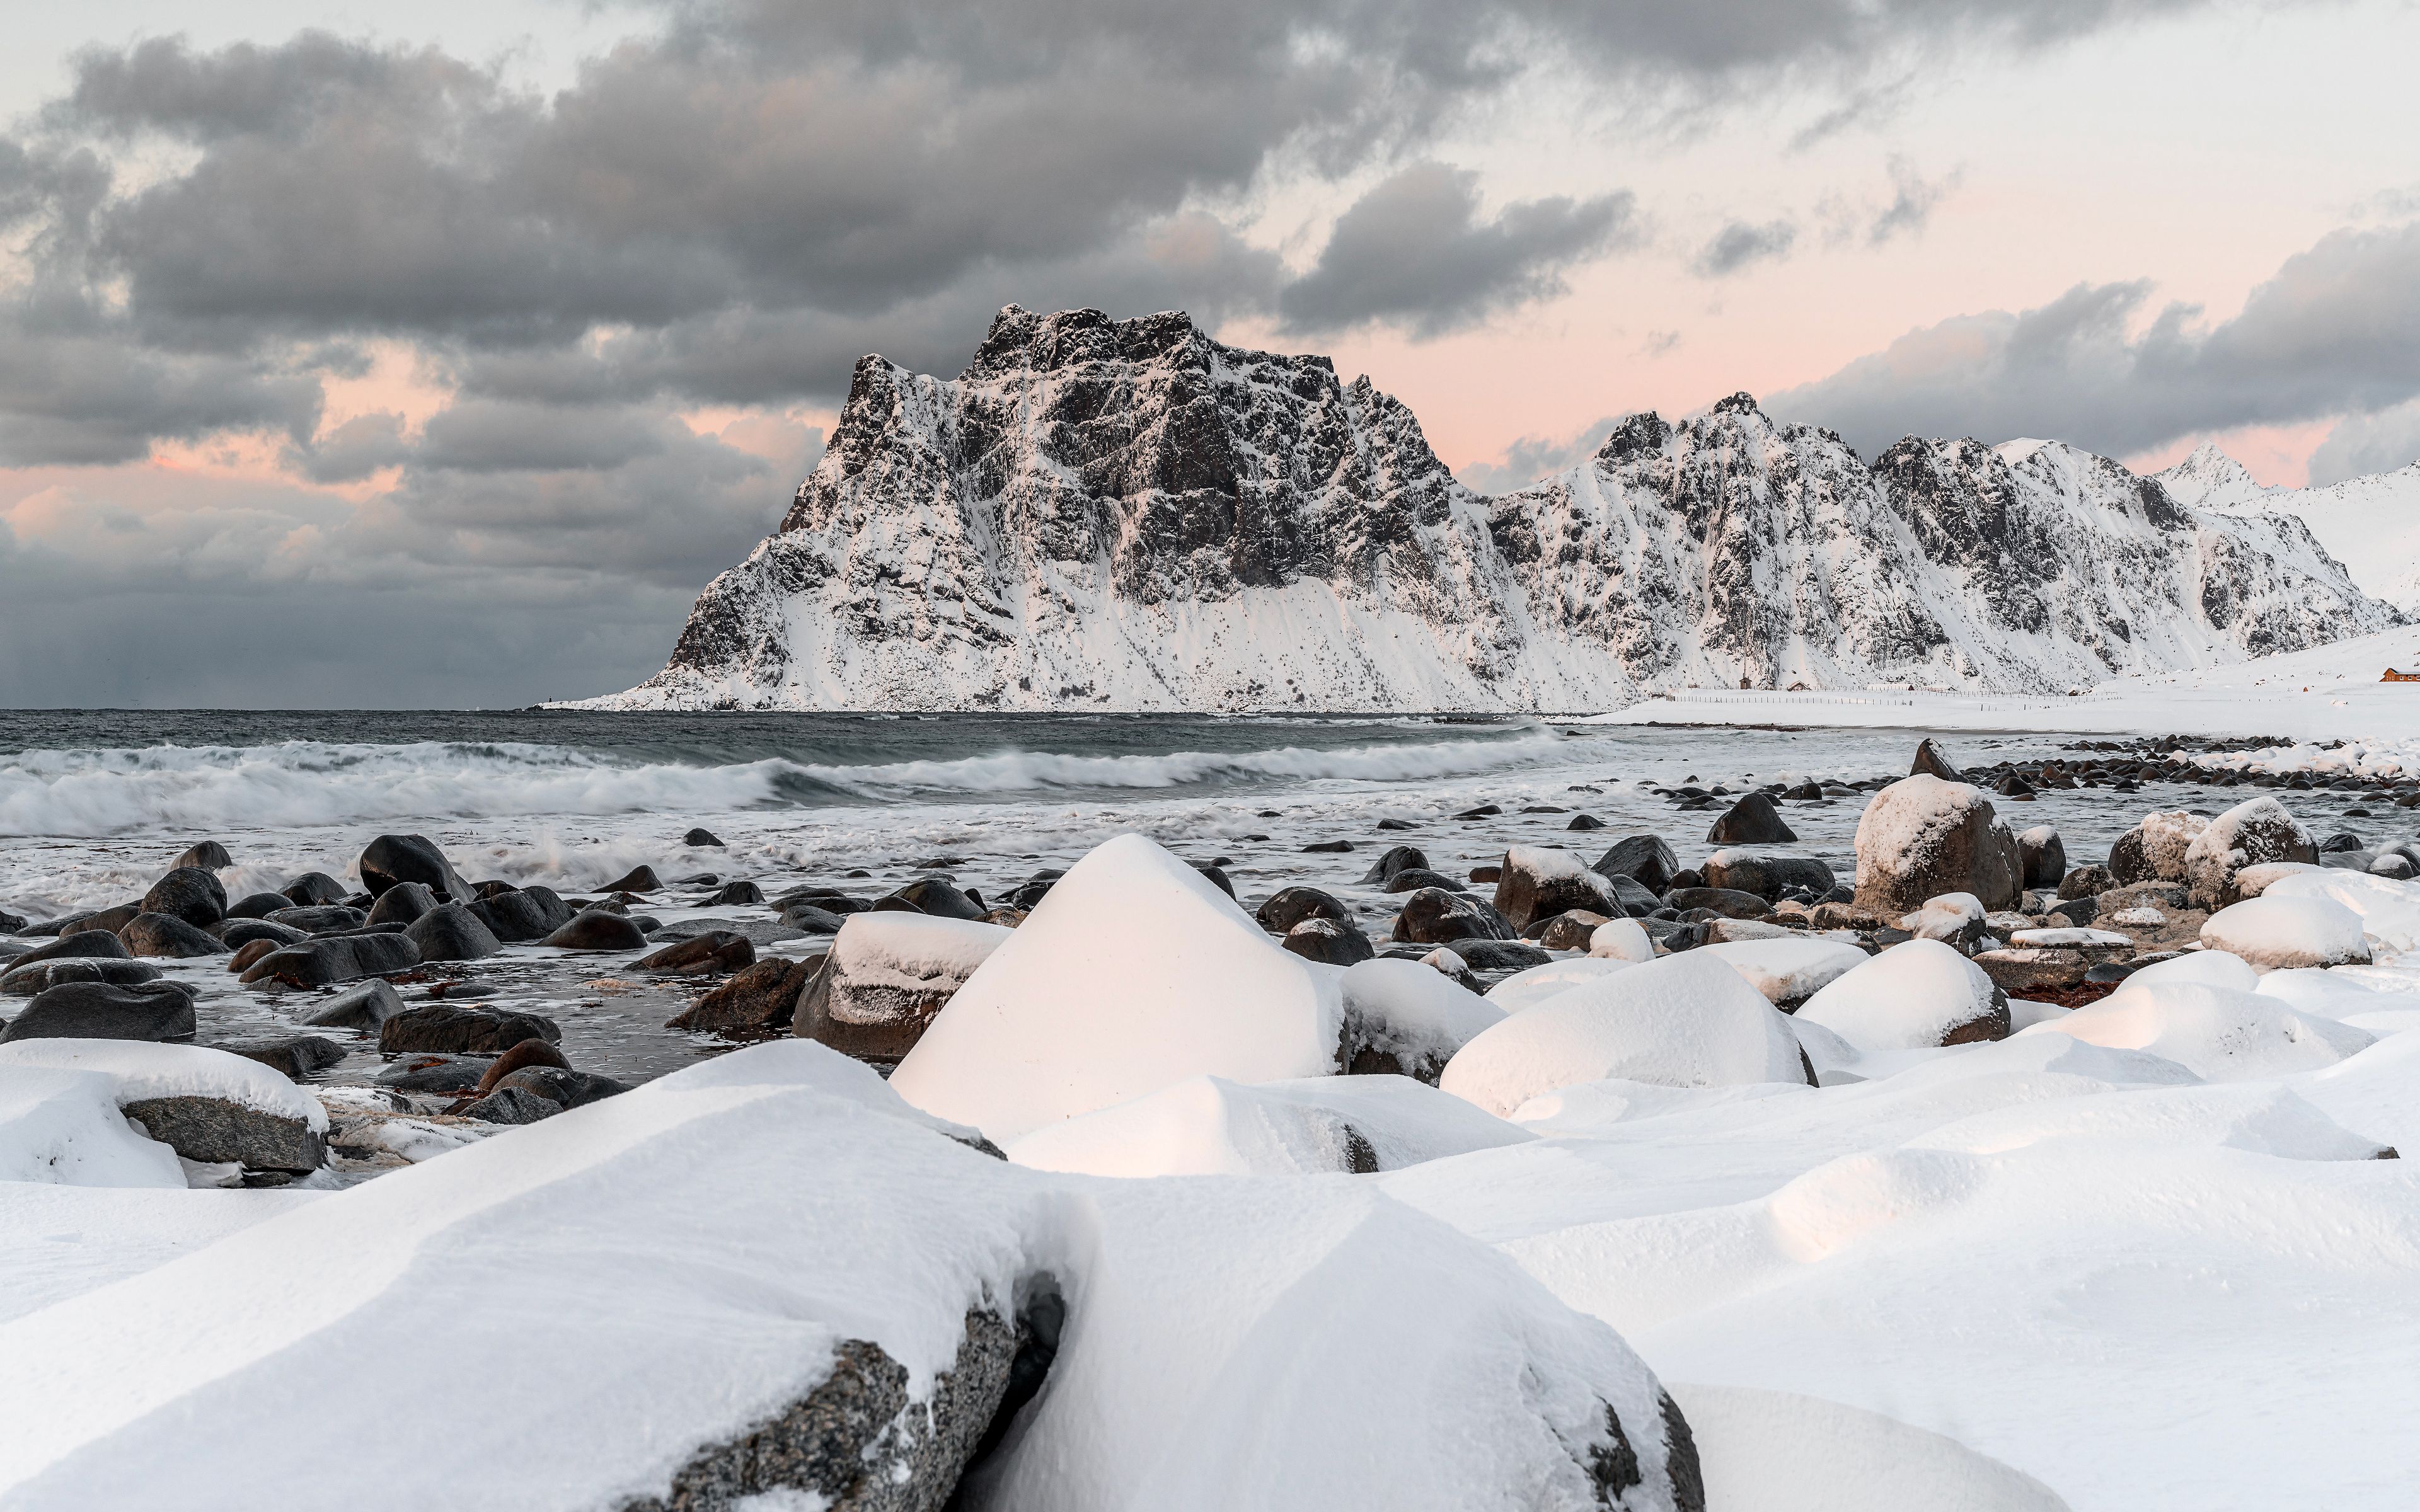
column 1127, row 515
column 2371, row 524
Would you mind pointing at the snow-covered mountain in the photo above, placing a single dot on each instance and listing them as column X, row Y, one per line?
column 2371, row 524
column 1127, row 515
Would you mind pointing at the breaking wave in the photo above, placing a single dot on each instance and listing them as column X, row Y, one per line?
column 303, row 783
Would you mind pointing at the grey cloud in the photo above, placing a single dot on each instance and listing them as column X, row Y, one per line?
column 1414, row 250
column 349, row 453
column 1913, row 201
column 2363, row 444
column 1741, row 244
column 2337, row 330
column 95, row 395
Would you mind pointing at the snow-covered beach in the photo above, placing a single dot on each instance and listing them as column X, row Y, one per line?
column 1510, row 1101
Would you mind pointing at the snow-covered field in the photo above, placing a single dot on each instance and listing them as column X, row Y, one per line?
column 2150, row 1253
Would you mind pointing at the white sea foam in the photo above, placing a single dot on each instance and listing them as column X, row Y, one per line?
column 303, row 783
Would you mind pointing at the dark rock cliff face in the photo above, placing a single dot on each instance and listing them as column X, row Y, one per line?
column 1128, row 515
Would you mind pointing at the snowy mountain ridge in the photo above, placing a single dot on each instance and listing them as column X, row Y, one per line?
column 1127, row 515
column 2371, row 524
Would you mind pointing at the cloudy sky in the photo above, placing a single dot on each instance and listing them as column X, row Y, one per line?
column 376, row 355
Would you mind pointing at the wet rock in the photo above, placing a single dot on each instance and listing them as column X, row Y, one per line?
column 2041, row 856
column 736, row 894
column 1643, row 858
column 324, row 963
column 1931, row 762
column 402, row 904
column 446, row 1028
column 533, row 1050
column 812, row 919
column 1571, row 931
column 2154, row 850
column 935, row 896
column 1327, row 942
column 250, row 953
column 1411, row 879
column 1534, row 882
column 1396, row 858
column 323, row 919
column 512, row 1105
column 761, row 999
column 362, row 1006
column 293, row 1056
column 257, row 905
column 2341, row 841
column 1214, row 871
column 243, row 931
column 188, row 893
column 1752, row 821
column 560, row 1085
column 28, row 980
column 1583, row 821
column 700, row 837
column 523, row 914
column 713, row 953
column 595, row 929
column 313, row 888
column 1433, row 915
column 104, row 919
column 1485, row 873
column 1289, row 906
column 1634, row 896
column 435, row 1073
column 1328, row 847
column 1922, row 836
column 2253, row 833
column 1727, row 902
column 83, row 945
column 153, row 1010
column 1766, row 873
column 213, row 1129
column 885, row 978
column 638, row 879
column 451, row 932
column 1485, row 810
column 390, row 859
column 2075, row 911
column 1500, row 955
column 166, row 936
column 204, row 855
column 2085, row 882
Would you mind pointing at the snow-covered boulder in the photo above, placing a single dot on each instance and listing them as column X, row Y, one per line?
column 1403, row 1018
column 1685, row 1020
column 2217, row 1033
column 886, row 976
column 1922, row 836
column 1536, row 882
column 1766, row 873
column 2215, row 968
column 1953, row 918
column 2041, row 856
column 2252, row 881
column 1534, row 985
column 1914, row 995
column 2277, row 930
column 2154, row 850
column 1133, row 973
column 1788, row 972
column 2257, row 832
column 208, row 1106
column 1620, row 939
column 1210, row 1126
column 2389, row 909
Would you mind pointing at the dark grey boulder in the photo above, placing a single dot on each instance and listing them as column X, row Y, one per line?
column 13, row 923
column 937, row 896
column 1766, row 874
column 320, row 919
column 206, row 855
column 390, row 859
column 513, row 1104
column 523, row 914
column 294, row 1055
column 402, row 904
column 1534, row 883
column 1728, row 901
column 812, row 919
column 762, row 999
column 1289, row 906
column 1435, row 917
column 2085, row 882
column 89, row 944
column 154, row 1011
column 736, row 894
column 1643, row 858
column 362, row 1006
column 324, row 963
column 1024, row 895
column 166, row 936
column 25, row 981
column 1412, row 879
column 259, row 905
column 108, row 920
column 446, row 1028
column 214, row 1130
column 595, row 929
column 713, row 953
column 1396, row 858
column 1585, row 821
column 1329, row 942
column 1217, row 875
column 638, row 879
column 834, row 902
column 1752, row 821
column 1635, row 897
column 188, row 893
column 1931, row 761
column 700, row 837
column 2043, row 856
column 243, row 931
column 312, row 889
column 560, row 1085
column 1500, row 955
column 1328, row 847
column 436, row 1073
column 451, row 932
